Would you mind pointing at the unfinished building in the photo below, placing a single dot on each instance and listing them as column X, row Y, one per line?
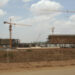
column 66, row 41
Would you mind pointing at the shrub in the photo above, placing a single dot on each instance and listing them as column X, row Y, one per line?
column 29, row 50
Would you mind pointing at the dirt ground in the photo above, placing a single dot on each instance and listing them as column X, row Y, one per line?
column 34, row 65
column 65, row 67
column 69, row 70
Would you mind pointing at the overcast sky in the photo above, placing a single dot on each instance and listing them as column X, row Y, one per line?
column 36, row 13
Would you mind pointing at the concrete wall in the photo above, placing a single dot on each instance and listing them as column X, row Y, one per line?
column 38, row 55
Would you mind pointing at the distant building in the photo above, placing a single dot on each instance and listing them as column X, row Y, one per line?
column 61, row 41
column 5, row 43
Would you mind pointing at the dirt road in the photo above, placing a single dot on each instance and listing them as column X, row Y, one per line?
column 48, row 71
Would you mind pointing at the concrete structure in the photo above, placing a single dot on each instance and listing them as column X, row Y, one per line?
column 61, row 41
column 5, row 43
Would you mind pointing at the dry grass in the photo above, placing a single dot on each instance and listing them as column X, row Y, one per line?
column 37, row 58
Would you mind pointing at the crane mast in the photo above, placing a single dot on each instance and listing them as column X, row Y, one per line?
column 10, row 34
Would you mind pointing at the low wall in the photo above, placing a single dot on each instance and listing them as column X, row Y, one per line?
column 37, row 55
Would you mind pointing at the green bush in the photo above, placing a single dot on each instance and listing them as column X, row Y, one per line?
column 29, row 50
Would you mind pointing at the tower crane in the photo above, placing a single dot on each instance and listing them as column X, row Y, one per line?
column 10, row 30
column 57, row 11
column 63, row 11
column 52, row 29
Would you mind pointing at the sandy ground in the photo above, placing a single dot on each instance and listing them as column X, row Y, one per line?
column 70, row 70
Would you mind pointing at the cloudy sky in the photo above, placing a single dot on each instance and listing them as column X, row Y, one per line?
column 39, row 14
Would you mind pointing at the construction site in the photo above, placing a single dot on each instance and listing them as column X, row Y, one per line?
column 56, row 50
